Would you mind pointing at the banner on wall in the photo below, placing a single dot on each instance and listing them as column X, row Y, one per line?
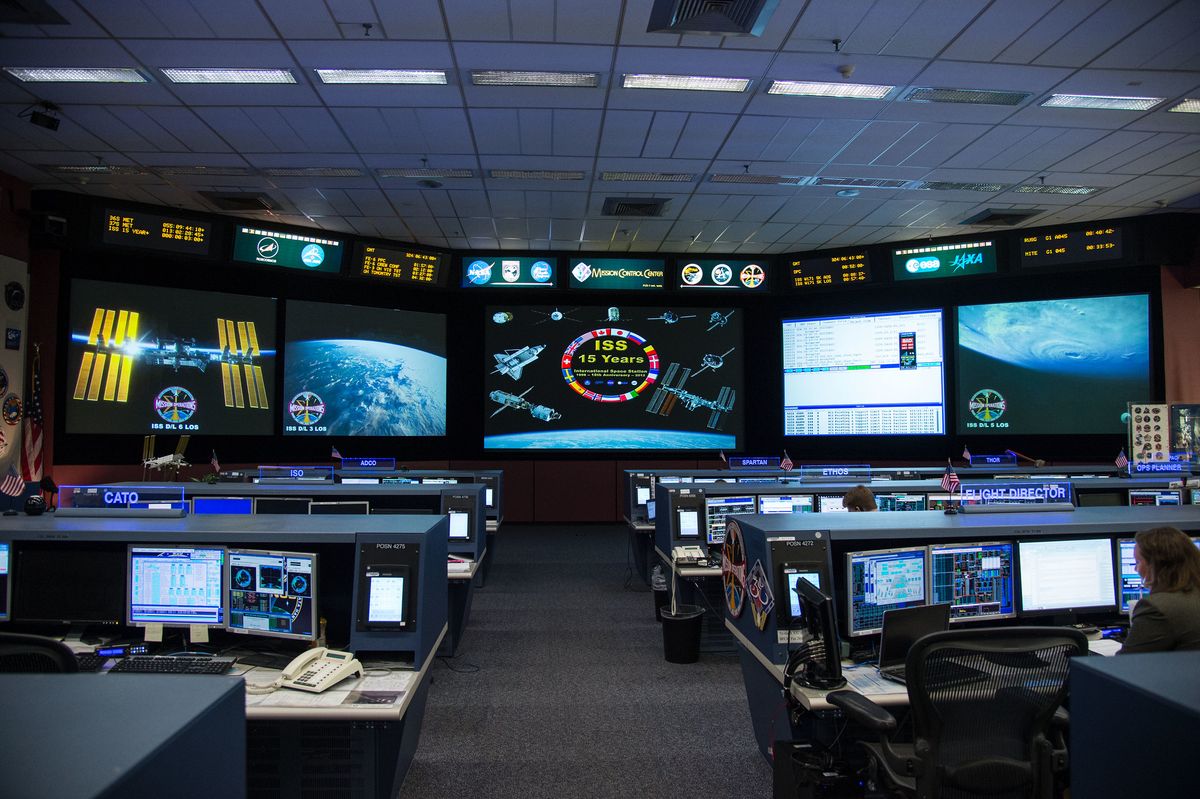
column 14, row 279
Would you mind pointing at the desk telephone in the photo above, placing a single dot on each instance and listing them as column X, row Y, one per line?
column 688, row 555
column 318, row 669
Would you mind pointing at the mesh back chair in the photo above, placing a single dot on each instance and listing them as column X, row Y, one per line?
column 982, row 704
column 21, row 653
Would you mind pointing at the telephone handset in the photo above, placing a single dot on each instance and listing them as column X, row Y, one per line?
column 318, row 669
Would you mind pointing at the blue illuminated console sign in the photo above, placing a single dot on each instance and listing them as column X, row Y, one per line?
column 381, row 464
column 753, row 462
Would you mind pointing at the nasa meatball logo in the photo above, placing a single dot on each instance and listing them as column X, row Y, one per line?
column 306, row 408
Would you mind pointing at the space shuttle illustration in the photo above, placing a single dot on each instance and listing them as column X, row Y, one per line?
column 512, row 362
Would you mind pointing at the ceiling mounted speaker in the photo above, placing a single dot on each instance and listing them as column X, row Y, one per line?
column 715, row 17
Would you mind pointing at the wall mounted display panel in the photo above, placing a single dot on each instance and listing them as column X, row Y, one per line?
column 144, row 359
column 509, row 271
column 1068, row 246
column 146, row 231
column 829, row 271
column 867, row 374
column 722, row 274
column 619, row 274
column 309, row 251
column 625, row 378
column 934, row 260
column 1067, row 366
column 400, row 264
column 356, row 371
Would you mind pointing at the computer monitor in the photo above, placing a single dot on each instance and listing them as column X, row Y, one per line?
column 281, row 505
column 460, row 524
column 360, row 481
column 651, row 509
column 880, row 580
column 5, row 582
column 938, row 501
column 898, row 501
column 58, row 582
column 1154, row 496
column 822, row 662
column 175, row 585
column 978, row 580
column 462, row 508
column 718, row 508
column 339, row 508
column 785, row 503
column 179, row 504
column 1129, row 582
column 1061, row 576
column 272, row 593
column 231, row 505
column 688, row 510
column 439, row 481
column 830, row 503
column 1195, row 496
column 1099, row 499
column 789, row 576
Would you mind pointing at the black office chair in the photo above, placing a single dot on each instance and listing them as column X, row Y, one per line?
column 21, row 653
column 982, row 704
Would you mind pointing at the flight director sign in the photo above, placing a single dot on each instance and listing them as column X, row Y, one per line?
column 292, row 250
column 1022, row 493
column 944, row 260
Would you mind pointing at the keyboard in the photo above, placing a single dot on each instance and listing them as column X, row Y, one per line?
column 948, row 674
column 169, row 664
column 89, row 662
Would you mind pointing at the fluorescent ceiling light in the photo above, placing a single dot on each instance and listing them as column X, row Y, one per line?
column 947, row 185
column 535, row 174
column 508, row 77
column 313, row 172
column 414, row 77
column 217, row 171
column 695, row 83
column 922, row 94
column 852, row 91
column 1041, row 188
column 229, row 75
column 402, row 172
column 759, row 180
column 76, row 74
column 655, row 177
column 97, row 169
column 1104, row 102
column 1186, row 107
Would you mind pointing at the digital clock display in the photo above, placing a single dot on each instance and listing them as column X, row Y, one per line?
column 400, row 265
column 830, row 271
column 154, row 232
column 1061, row 247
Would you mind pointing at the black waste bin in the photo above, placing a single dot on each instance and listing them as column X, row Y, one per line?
column 662, row 598
column 681, row 633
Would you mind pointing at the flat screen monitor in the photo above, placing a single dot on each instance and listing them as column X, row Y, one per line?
column 357, row 371
column 864, row 375
column 651, row 509
column 717, row 508
column 899, row 501
column 272, row 593
column 1129, row 582
column 938, row 501
column 460, row 525
column 143, row 359
column 230, row 505
column 281, row 505
column 823, row 665
column 613, row 378
column 339, row 508
column 641, row 494
column 1154, row 496
column 1061, row 576
column 360, row 481
column 791, row 575
column 439, row 481
column 5, row 582
column 785, row 503
column 68, row 583
column 1098, row 499
column 1195, row 496
column 830, row 503
column 977, row 580
column 687, row 521
column 1019, row 364
column 176, row 585
column 882, row 580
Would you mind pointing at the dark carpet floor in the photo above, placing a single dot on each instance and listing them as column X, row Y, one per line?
column 572, row 696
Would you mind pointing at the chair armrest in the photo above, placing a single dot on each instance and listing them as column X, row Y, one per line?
column 863, row 711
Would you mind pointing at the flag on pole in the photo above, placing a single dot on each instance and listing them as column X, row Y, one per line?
column 13, row 485
column 335, row 454
column 966, row 454
column 31, row 435
column 1121, row 460
column 950, row 480
column 216, row 464
column 724, row 460
column 786, row 464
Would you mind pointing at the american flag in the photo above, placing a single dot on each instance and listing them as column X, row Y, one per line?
column 786, row 464
column 13, row 485
column 335, row 454
column 966, row 454
column 1121, row 460
column 31, row 436
column 216, row 464
column 949, row 479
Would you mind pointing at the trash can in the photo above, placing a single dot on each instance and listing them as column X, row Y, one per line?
column 681, row 633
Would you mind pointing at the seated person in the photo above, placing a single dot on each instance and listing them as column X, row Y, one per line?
column 859, row 498
column 1168, row 618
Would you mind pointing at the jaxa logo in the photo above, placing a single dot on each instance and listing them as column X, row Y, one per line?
column 581, row 271
column 967, row 259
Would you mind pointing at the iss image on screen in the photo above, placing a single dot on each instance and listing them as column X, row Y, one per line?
column 350, row 370
column 613, row 378
column 144, row 359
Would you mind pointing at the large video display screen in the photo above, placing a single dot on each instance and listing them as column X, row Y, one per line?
column 1065, row 366
column 866, row 374
column 145, row 359
column 350, row 370
column 616, row 378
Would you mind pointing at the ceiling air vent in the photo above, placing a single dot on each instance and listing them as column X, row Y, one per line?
column 926, row 94
column 1002, row 217
column 29, row 12
column 245, row 202
column 719, row 17
column 865, row 183
column 633, row 206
